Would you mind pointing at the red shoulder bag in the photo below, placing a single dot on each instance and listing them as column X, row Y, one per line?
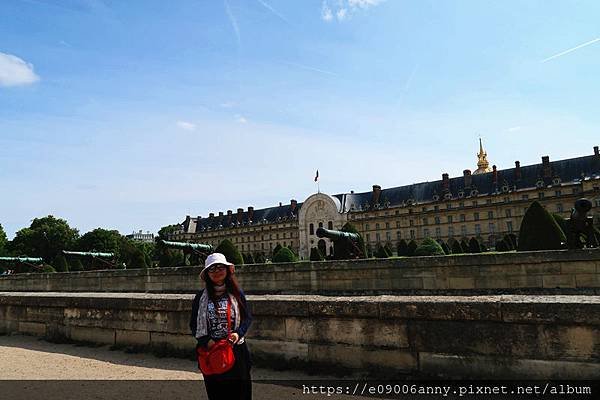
column 219, row 358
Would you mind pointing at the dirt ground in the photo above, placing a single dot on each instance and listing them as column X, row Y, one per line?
column 31, row 368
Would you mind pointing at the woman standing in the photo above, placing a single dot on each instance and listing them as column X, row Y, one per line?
column 209, row 323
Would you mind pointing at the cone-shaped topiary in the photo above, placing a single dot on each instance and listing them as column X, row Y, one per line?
column 464, row 244
column 457, row 248
column 474, row 246
column 315, row 254
column 501, row 245
column 561, row 222
column 60, row 263
column 260, row 258
column 231, row 253
column 388, row 249
column 402, row 248
column 444, row 247
column 429, row 247
column 412, row 246
column 539, row 230
column 275, row 250
column 248, row 258
column 284, row 255
column 76, row 265
column 380, row 252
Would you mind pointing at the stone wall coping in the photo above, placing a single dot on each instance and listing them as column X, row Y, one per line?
column 527, row 309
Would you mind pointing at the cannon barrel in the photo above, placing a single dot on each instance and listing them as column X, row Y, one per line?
column 88, row 254
column 22, row 259
column 193, row 246
column 337, row 235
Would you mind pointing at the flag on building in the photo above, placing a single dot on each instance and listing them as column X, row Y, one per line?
column 317, row 176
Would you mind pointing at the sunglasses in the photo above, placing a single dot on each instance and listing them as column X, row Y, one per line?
column 218, row 267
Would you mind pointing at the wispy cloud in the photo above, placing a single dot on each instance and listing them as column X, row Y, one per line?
column 514, row 129
column 277, row 13
column 571, row 50
column 228, row 104
column 234, row 24
column 241, row 119
column 188, row 126
column 344, row 9
column 309, row 68
column 16, row 72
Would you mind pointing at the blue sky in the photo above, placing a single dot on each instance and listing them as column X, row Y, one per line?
column 132, row 114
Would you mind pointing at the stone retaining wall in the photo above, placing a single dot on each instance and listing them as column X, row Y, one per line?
column 526, row 272
column 536, row 337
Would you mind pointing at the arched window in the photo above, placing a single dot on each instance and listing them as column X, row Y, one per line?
column 320, row 224
column 330, row 225
column 311, row 229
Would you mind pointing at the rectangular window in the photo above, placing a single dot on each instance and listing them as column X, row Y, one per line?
column 437, row 220
column 398, row 235
column 411, row 223
column 559, row 207
column 488, row 201
column 424, row 209
column 490, row 215
column 368, row 237
column 449, row 219
column 387, row 225
column 397, row 224
column 378, row 237
column 436, row 208
column 463, row 217
column 377, row 226
column 476, row 216
column 477, row 229
column 425, row 221
column 451, row 231
column 525, row 197
column 540, row 195
column 388, row 236
column 426, row 232
column 448, row 206
column 508, row 213
column 558, row 193
column 463, row 230
column 438, row 233
column 412, row 233
column 366, row 227
column 509, row 226
column 575, row 190
column 492, row 227
column 474, row 203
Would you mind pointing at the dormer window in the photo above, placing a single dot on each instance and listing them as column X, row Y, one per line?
column 539, row 184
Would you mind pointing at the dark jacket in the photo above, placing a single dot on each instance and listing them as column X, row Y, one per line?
column 241, row 330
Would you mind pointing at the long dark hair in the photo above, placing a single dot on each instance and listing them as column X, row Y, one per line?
column 232, row 286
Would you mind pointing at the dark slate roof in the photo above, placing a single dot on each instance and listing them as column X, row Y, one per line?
column 569, row 170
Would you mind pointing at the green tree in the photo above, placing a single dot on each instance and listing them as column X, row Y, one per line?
column 260, row 258
column 248, row 258
column 380, row 252
column 165, row 231
column 501, row 245
column 3, row 242
column 275, row 250
column 137, row 260
column 46, row 269
column 464, row 244
column 231, row 253
column 402, row 248
column 444, row 247
column 284, row 255
column 45, row 238
column 429, row 247
column 315, row 254
column 388, row 249
column 101, row 240
column 60, row 263
column 539, row 230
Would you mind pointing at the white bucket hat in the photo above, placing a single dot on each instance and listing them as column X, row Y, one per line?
column 215, row 258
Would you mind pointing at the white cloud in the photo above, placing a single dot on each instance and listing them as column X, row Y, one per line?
column 188, row 126
column 326, row 13
column 14, row 71
column 514, row 129
column 228, row 104
column 241, row 119
column 344, row 9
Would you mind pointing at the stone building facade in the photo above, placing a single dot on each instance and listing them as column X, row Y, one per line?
column 486, row 205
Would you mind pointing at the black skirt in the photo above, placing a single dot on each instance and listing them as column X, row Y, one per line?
column 235, row 384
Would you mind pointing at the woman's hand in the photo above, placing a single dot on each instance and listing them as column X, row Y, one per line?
column 234, row 338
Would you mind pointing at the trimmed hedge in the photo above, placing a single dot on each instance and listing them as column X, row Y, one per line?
column 429, row 247
column 540, row 231
column 231, row 253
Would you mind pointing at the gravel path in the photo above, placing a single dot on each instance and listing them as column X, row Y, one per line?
column 31, row 368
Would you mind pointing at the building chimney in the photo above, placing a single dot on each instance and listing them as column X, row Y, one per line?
column 220, row 214
column 293, row 205
column 467, row 177
column 546, row 167
column 239, row 215
column 494, row 175
column 229, row 214
column 376, row 194
column 445, row 182
column 352, row 192
column 596, row 153
column 211, row 215
column 280, row 204
column 517, row 170
column 250, row 213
